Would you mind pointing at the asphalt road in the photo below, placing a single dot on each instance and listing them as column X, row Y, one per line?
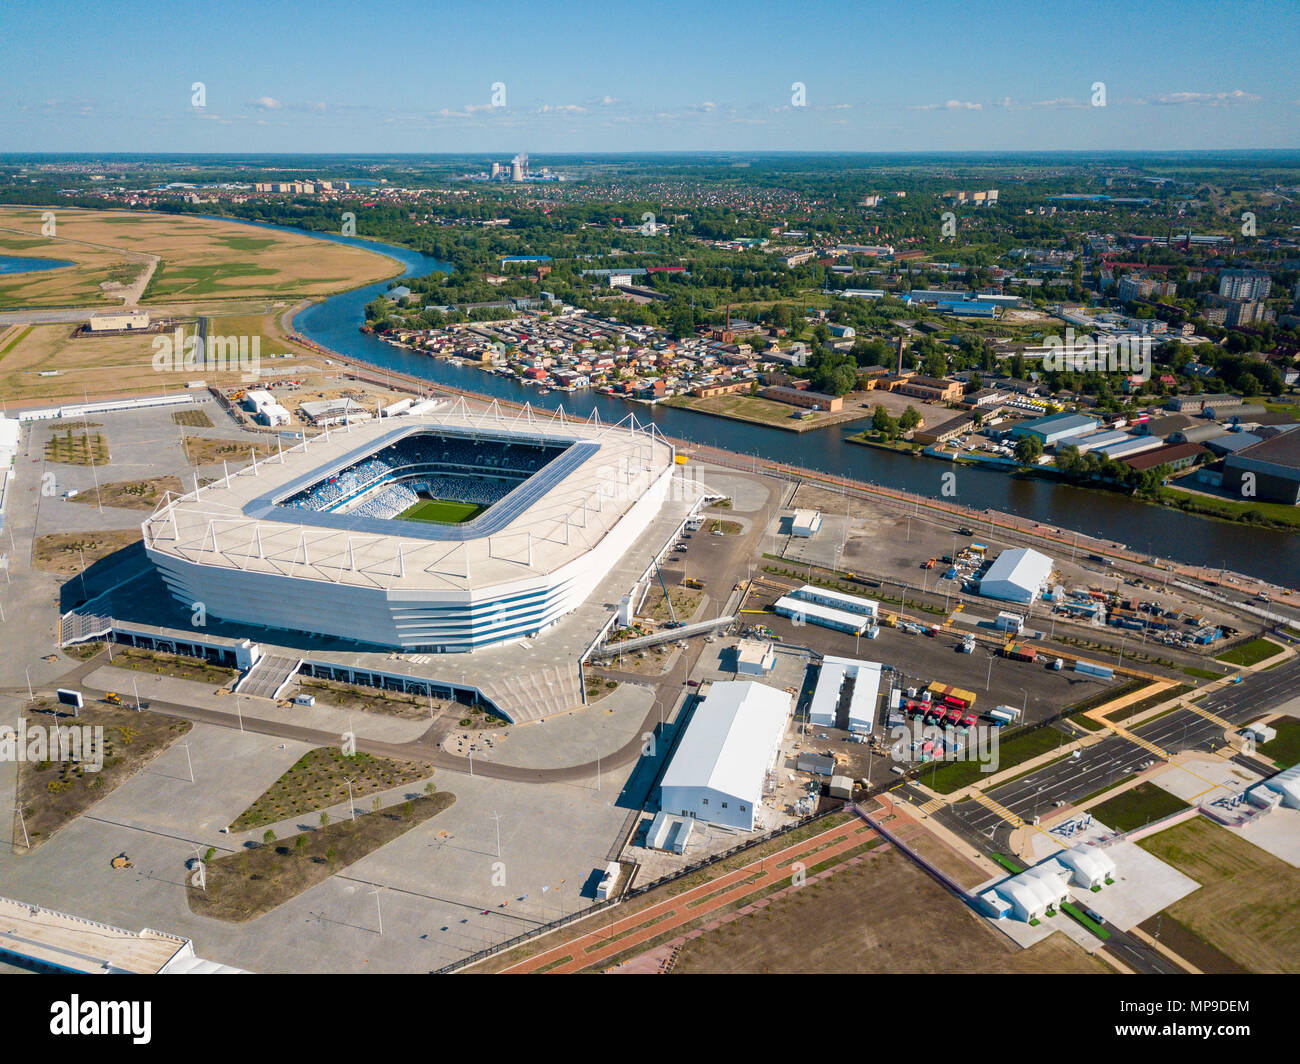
column 1115, row 757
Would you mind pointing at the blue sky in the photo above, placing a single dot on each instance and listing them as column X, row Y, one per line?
column 899, row 76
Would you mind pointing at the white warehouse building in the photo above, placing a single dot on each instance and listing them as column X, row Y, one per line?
column 1017, row 575
column 805, row 523
column 720, row 767
column 862, row 678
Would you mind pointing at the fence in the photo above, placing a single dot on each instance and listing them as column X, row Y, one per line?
column 628, row 895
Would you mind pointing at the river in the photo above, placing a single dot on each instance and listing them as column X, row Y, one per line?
column 1269, row 555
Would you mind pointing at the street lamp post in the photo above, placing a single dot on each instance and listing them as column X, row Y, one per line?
column 497, row 819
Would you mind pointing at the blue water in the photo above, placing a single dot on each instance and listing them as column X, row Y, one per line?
column 17, row 264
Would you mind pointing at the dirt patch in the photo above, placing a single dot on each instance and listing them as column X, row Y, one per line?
column 204, row 450
column 132, row 494
column 371, row 699
column 64, row 552
column 178, row 666
column 244, row 885
column 53, row 793
column 197, row 419
column 887, row 916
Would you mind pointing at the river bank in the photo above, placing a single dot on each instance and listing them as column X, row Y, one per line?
column 333, row 324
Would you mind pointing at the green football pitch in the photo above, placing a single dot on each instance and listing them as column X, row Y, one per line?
column 441, row 511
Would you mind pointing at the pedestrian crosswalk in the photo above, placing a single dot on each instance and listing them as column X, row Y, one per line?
column 933, row 806
column 1212, row 717
column 1150, row 747
column 1000, row 809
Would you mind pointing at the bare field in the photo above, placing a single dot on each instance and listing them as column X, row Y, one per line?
column 884, row 915
column 87, row 366
column 63, row 552
column 201, row 258
column 1247, row 905
column 132, row 494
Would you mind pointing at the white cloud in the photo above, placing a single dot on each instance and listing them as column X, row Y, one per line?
column 1207, row 99
column 267, row 103
column 949, row 105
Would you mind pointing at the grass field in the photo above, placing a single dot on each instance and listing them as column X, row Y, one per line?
column 1140, row 805
column 1249, row 901
column 441, row 511
column 953, row 775
column 201, row 258
column 1285, row 749
column 1251, row 653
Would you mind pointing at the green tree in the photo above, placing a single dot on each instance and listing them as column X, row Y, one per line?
column 1029, row 449
column 909, row 419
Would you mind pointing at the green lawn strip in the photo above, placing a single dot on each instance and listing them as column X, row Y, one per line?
column 1006, row 862
column 246, row 884
column 954, row 775
column 1141, row 805
column 1285, row 749
column 1204, row 674
column 16, row 341
column 1074, row 911
column 1251, row 653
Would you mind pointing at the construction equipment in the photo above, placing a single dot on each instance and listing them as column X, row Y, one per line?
column 672, row 613
column 113, row 699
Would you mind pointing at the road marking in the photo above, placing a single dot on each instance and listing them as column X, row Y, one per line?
column 1207, row 715
column 1001, row 810
column 933, row 806
column 1150, row 747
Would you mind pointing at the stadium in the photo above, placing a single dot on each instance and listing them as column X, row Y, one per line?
column 442, row 533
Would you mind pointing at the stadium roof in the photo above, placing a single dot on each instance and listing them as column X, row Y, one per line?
column 552, row 518
column 730, row 740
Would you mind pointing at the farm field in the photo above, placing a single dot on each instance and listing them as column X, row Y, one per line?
column 441, row 511
column 200, row 258
column 1247, row 905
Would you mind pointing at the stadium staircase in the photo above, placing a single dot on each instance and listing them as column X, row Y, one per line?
column 81, row 624
column 533, row 695
column 268, row 677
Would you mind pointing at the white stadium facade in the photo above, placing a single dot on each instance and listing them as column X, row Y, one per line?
column 310, row 539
